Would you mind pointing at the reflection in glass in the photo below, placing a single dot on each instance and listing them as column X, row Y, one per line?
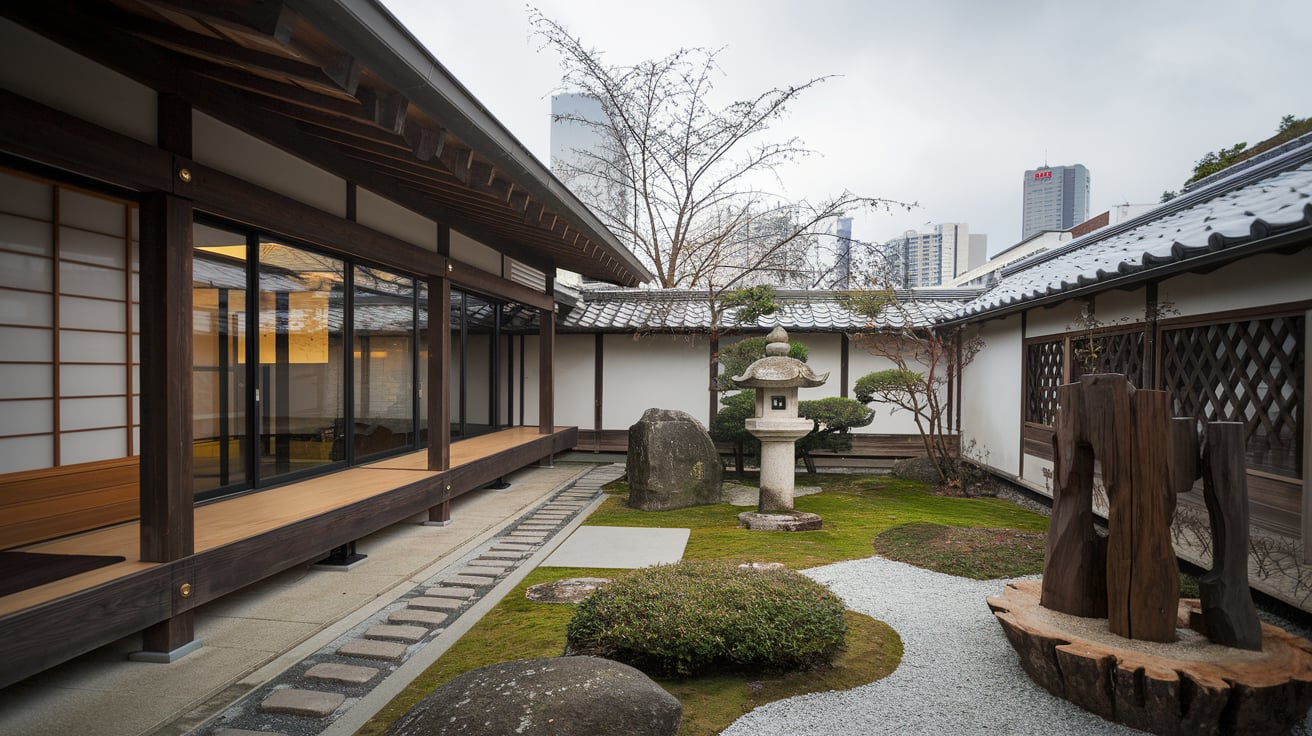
column 301, row 398
column 421, row 380
column 219, row 377
column 383, row 331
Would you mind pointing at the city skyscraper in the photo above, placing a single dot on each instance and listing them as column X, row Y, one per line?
column 1055, row 198
column 935, row 257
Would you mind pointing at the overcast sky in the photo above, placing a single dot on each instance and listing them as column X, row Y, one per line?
column 941, row 103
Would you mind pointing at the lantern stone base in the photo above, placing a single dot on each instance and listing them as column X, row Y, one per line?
column 779, row 521
column 1189, row 687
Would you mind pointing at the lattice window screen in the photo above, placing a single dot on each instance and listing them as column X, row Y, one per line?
column 1043, row 371
column 1249, row 371
column 1120, row 352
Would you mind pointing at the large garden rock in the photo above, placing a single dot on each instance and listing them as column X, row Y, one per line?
column 672, row 462
column 560, row 696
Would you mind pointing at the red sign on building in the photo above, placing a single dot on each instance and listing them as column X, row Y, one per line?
column 1046, row 174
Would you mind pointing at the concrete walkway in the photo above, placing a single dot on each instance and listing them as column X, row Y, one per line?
column 253, row 637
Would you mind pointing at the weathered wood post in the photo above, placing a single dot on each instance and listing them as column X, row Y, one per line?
column 1229, row 617
column 1075, row 560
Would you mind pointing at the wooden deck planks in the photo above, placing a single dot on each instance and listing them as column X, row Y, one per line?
column 230, row 520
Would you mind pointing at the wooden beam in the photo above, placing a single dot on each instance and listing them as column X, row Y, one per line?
column 425, row 142
column 167, row 531
column 383, row 107
column 598, row 380
column 38, row 133
column 468, row 277
column 227, row 196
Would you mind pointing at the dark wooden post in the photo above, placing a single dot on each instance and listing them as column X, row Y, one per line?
column 598, row 383
column 439, row 379
column 1107, row 409
column 1075, row 562
column 167, row 508
column 1229, row 617
column 546, row 364
column 1154, row 593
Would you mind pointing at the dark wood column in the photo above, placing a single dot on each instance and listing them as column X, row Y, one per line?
column 546, row 363
column 167, row 518
column 844, row 361
column 439, row 377
column 598, row 382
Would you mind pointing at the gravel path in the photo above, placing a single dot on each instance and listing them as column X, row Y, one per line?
column 958, row 673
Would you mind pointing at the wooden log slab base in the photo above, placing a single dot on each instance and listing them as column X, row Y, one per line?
column 1190, row 686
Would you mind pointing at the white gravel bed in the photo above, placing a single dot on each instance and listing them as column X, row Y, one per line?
column 958, row 673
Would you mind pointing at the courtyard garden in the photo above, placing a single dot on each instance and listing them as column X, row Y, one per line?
column 863, row 515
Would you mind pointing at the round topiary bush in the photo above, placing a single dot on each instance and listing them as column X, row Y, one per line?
column 690, row 618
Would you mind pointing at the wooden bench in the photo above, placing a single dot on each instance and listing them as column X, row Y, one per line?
column 36, row 505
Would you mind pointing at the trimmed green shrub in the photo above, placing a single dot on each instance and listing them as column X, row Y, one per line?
column 695, row 617
column 834, row 418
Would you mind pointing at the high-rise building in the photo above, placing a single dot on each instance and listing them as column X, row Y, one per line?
column 935, row 257
column 843, row 267
column 1055, row 198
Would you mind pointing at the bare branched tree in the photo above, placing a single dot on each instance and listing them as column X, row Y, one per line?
column 678, row 178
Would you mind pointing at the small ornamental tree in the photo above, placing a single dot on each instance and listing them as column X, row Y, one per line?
column 925, row 358
column 833, row 419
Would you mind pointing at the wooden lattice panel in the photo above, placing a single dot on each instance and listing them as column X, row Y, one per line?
column 1043, row 374
column 1118, row 352
column 1249, row 371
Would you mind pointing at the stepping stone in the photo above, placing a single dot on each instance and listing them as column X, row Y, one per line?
column 244, row 732
column 531, row 527
column 436, row 604
column 417, row 616
column 499, row 555
column 480, row 572
column 369, row 649
column 447, row 591
column 393, row 632
column 302, row 702
column 526, row 536
column 345, row 673
column 548, row 516
column 490, row 564
column 470, row 580
column 513, row 547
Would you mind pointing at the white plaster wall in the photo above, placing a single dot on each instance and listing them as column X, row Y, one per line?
column 888, row 418
column 1253, row 282
column 1034, row 473
column 41, row 70
column 575, row 376
column 1117, row 307
column 660, row 371
column 991, row 394
column 1054, row 320
column 467, row 250
column 233, row 152
column 385, row 216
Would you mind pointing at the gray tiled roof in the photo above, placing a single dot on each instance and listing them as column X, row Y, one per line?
column 684, row 310
column 1237, row 213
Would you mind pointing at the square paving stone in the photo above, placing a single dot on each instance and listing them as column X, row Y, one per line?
column 345, row 673
column 435, row 604
column 302, row 702
column 394, row 632
column 387, row 651
column 417, row 616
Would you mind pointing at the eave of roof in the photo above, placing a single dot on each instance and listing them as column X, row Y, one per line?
column 1266, row 207
column 342, row 85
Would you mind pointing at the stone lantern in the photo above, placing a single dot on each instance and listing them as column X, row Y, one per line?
column 776, row 378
